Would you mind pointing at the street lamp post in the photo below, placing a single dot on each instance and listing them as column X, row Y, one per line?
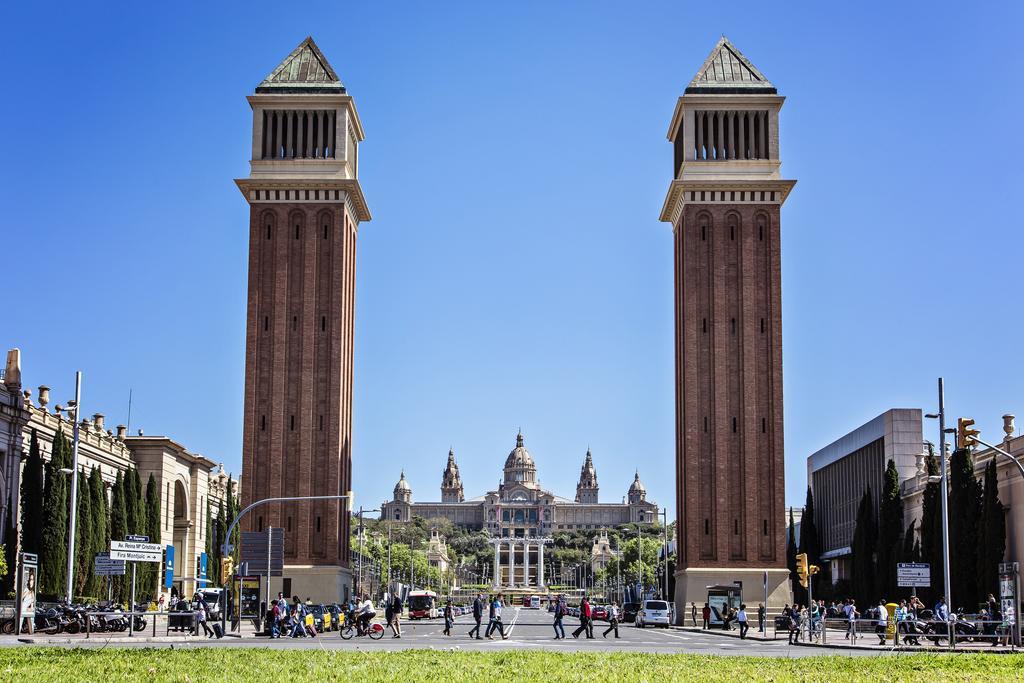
column 359, row 580
column 941, row 415
column 74, row 408
column 664, row 528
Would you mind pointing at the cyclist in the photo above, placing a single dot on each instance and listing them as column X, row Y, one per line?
column 366, row 613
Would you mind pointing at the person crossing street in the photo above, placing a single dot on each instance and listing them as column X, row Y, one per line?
column 478, row 614
column 586, row 625
column 559, row 613
column 613, row 620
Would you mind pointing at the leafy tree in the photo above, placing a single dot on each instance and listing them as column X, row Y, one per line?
column 83, row 536
column 153, row 528
column 964, row 519
column 32, row 499
column 993, row 531
column 865, row 537
column 931, row 526
column 809, row 537
column 53, row 556
column 890, row 532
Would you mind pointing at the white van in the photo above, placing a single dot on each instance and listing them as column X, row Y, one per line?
column 653, row 613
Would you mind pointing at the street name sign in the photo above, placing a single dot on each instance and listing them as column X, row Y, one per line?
column 913, row 575
column 136, row 551
column 104, row 566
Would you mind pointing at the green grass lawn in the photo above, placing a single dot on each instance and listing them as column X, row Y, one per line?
column 56, row 665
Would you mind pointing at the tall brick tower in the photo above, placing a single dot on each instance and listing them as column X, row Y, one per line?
column 305, row 206
column 724, row 204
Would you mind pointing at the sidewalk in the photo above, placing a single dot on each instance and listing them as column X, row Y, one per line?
column 752, row 634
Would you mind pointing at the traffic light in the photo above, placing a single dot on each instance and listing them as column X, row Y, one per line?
column 227, row 567
column 965, row 433
column 801, row 568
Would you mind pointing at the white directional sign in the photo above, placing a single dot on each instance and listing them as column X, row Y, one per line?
column 132, row 551
column 135, row 556
column 136, row 546
column 913, row 575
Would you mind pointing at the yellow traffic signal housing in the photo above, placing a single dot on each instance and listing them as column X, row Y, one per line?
column 801, row 568
column 227, row 567
column 965, row 433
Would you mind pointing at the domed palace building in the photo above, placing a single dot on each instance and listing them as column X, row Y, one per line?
column 519, row 515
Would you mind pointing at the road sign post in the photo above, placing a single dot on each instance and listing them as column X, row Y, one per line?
column 135, row 549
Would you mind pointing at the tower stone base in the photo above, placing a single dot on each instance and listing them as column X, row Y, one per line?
column 324, row 584
column 692, row 586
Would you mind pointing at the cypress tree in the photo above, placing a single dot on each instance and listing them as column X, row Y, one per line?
column 794, row 580
column 131, row 503
column 10, row 548
column 931, row 527
column 83, row 536
column 910, row 545
column 964, row 513
column 118, row 524
column 221, row 531
column 232, row 512
column 144, row 572
column 993, row 529
column 865, row 535
column 809, row 536
column 100, row 525
column 890, row 532
column 153, row 527
column 209, row 529
column 53, row 551
column 32, row 499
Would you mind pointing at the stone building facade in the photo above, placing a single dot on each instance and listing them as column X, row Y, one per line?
column 186, row 480
column 519, row 515
column 305, row 207
column 724, row 204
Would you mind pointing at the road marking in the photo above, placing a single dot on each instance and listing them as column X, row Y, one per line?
column 514, row 620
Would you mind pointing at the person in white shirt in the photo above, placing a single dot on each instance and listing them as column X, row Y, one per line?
column 741, row 619
column 366, row 613
column 851, row 618
column 883, row 622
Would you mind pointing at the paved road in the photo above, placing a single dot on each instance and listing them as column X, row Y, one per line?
column 526, row 629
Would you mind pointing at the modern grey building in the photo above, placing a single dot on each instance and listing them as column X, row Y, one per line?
column 840, row 472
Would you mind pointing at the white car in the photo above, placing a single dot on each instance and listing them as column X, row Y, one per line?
column 653, row 613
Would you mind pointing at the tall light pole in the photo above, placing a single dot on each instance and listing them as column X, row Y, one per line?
column 74, row 408
column 943, row 484
column 664, row 528
column 360, row 571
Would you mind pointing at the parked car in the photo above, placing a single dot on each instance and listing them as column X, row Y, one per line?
column 629, row 611
column 653, row 613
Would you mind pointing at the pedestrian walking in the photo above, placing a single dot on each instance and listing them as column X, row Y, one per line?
column 760, row 618
column 706, row 614
column 585, row 626
column 851, row 619
column 396, row 613
column 794, row 625
column 449, row 617
column 693, row 613
column 559, row 613
column 613, row 620
column 497, row 606
column 883, row 622
column 741, row 619
column 202, row 613
column 478, row 614
column 490, row 617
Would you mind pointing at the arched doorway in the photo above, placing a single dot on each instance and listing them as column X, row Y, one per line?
column 180, row 542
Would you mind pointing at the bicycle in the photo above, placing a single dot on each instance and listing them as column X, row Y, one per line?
column 375, row 630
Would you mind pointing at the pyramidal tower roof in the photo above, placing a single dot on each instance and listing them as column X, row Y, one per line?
column 727, row 72
column 305, row 70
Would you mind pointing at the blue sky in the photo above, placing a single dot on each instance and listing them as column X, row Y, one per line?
column 515, row 273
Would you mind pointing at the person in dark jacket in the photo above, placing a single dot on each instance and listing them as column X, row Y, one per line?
column 559, row 613
column 396, row 612
column 706, row 614
column 449, row 617
column 478, row 614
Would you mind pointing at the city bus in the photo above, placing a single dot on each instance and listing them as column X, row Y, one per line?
column 422, row 605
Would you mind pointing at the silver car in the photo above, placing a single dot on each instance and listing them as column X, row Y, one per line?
column 653, row 613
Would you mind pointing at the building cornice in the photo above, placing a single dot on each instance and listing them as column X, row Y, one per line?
column 306, row 190
column 682, row 192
